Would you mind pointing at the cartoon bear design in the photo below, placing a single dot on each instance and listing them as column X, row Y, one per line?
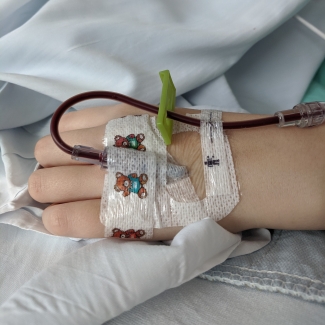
column 131, row 183
column 130, row 233
column 131, row 141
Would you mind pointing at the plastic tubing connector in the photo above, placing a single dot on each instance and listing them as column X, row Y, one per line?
column 303, row 115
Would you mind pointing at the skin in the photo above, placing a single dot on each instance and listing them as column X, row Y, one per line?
column 281, row 173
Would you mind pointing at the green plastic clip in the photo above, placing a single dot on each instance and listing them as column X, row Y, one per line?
column 167, row 103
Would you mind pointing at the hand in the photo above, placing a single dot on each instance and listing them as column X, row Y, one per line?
column 74, row 188
column 281, row 173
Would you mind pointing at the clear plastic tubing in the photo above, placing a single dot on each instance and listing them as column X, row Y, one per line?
column 303, row 115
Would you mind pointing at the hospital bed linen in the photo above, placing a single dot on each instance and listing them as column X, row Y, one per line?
column 211, row 303
column 112, row 276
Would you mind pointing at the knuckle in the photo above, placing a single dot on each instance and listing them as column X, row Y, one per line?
column 66, row 121
column 55, row 220
column 40, row 149
column 36, row 185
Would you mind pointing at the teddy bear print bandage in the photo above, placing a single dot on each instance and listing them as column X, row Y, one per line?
column 144, row 188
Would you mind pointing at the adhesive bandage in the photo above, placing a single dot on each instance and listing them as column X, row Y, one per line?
column 144, row 188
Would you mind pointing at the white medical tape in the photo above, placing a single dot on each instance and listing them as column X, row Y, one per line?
column 222, row 193
column 139, row 138
column 129, row 191
column 216, row 169
column 135, row 146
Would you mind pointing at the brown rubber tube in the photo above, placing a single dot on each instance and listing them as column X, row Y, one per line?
column 142, row 105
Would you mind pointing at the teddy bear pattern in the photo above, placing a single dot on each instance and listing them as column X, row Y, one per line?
column 131, row 183
column 131, row 141
column 130, row 233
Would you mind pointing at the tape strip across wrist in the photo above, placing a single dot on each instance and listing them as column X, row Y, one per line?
column 222, row 190
column 144, row 188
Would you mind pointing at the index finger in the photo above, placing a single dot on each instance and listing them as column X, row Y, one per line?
column 49, row 155
column 95, row 116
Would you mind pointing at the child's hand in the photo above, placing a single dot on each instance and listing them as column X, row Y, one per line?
column 75, row 189
column 281, row 173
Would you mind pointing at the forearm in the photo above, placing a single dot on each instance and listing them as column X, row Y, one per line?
column 281, row 173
